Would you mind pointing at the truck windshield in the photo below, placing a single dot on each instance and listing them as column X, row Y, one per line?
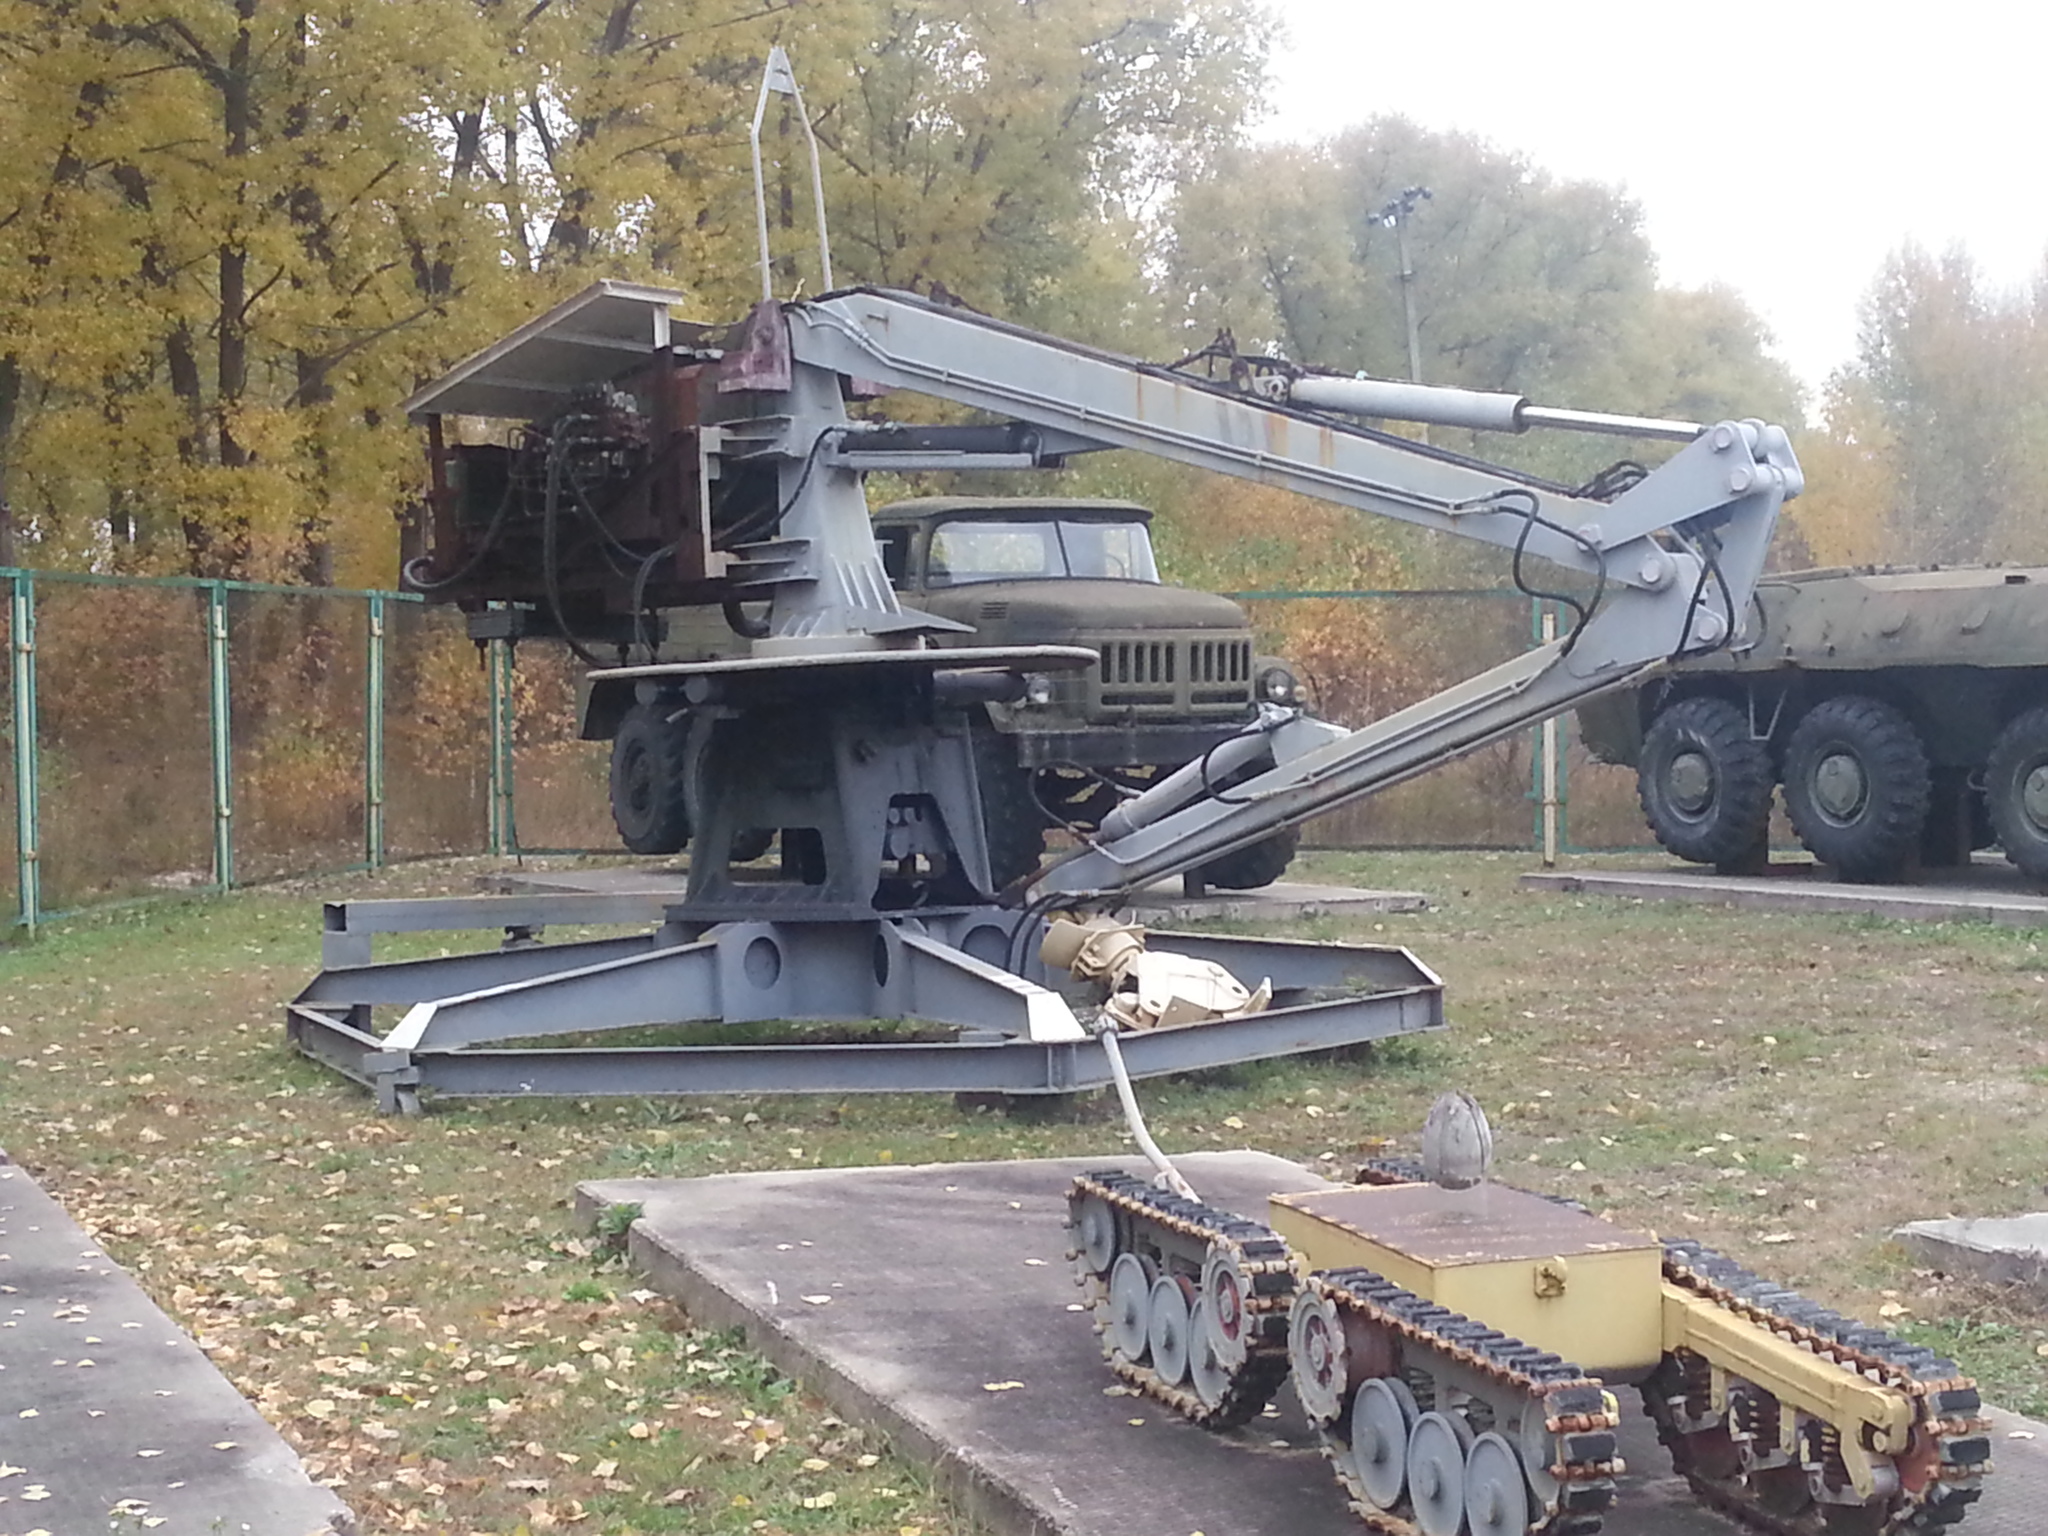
column 981, row 550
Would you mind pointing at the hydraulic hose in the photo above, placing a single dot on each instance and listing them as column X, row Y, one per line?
column 1169, row 1176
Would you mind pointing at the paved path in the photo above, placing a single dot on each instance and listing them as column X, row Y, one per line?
column 108, row 1410
column 944, row 1278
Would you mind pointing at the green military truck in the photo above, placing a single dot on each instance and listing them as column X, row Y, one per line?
column 1178, row 675
column 1904, row 713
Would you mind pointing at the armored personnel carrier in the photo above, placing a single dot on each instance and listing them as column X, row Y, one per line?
column 1904, row 712
column 1453, row 1341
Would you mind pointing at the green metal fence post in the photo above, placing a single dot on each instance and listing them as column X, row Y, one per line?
column 504, row 836
column 27, row 807
column 373, row 738
column 222, row 735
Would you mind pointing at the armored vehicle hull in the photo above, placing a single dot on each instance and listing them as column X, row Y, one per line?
column 1904, row 713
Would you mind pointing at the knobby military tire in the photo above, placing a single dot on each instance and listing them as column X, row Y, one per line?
column 1012, row 819
column 2018, row 756
column 1705, row 783
column 1255, row 864
column 1852, row 742
column 647, row 788
column 749, row 843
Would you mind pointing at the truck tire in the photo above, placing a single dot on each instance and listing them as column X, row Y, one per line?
column 1255, row 864
column 750, row 843
column 1012, row 819
column 647, row 781
column 2016, row 791
column 1705, row 783
column 1857, row 786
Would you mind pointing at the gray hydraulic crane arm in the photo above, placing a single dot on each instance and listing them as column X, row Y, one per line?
column 905, row 342
column 1677, row 555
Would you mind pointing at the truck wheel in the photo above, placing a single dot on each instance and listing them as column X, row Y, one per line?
column 647, row 781
column 1705, row 782
column 1857, row 786
column 1012, row 819
column 750, row 843
column 1255, row 864
column 2016, row 791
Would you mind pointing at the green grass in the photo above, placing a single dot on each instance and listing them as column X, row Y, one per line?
column 375, row 1285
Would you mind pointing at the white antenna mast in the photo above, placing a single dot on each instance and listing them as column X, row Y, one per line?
column 780, row 79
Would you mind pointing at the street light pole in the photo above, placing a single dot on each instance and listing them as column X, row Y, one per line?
column 1394, row 214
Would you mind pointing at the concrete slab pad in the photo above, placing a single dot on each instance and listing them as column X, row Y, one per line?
column 939, row 1280
column 1805, row 888
column 107, row 1409
column 2010, row 1250
column 1279, row 901
column 1282, row 900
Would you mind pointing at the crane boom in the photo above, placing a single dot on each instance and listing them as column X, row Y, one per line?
column 1677, row 554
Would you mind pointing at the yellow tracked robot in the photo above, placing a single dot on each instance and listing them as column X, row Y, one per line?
column 1431, row 1321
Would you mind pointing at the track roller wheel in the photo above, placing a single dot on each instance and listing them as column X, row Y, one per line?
column 1496, row 1492
column 1437, row 1447
column 1166, row 1330
column 1130, row 1306
column 1207, row 1372
column 1383, row 1415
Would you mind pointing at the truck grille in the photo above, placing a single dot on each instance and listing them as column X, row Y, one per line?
column 1168, row 676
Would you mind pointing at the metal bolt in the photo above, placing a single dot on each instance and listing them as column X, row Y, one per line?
column 1740, row 480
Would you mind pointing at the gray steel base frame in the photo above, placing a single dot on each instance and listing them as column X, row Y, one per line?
column 945, row 968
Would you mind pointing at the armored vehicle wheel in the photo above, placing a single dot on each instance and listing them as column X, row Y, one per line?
column 749, row 844
column 647, row 781
column 1256, row 864
column 2016, row 791
column 1857, row 786
column 1705, row 782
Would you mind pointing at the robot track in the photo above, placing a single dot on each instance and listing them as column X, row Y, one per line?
column 1437, row 1424
column 1154, row 1268
column 1785, row 1472
column 1371, row 1362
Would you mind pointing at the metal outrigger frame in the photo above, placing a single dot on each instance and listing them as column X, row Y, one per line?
column 468, row 1018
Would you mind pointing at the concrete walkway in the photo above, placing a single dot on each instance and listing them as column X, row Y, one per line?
column 1981, row 894
column 900, row 1294
column 110, row 1416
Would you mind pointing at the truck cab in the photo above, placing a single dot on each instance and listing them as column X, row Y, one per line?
column 1177, row 675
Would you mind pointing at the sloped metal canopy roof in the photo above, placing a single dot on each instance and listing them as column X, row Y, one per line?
column 590, row 338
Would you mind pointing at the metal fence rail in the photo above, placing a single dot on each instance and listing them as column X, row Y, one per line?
column 176, row 733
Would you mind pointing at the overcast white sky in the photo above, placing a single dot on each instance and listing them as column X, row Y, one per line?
column 1783, row 149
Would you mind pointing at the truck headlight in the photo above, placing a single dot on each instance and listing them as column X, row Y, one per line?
column 1038, row 690
column 1277, row 685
